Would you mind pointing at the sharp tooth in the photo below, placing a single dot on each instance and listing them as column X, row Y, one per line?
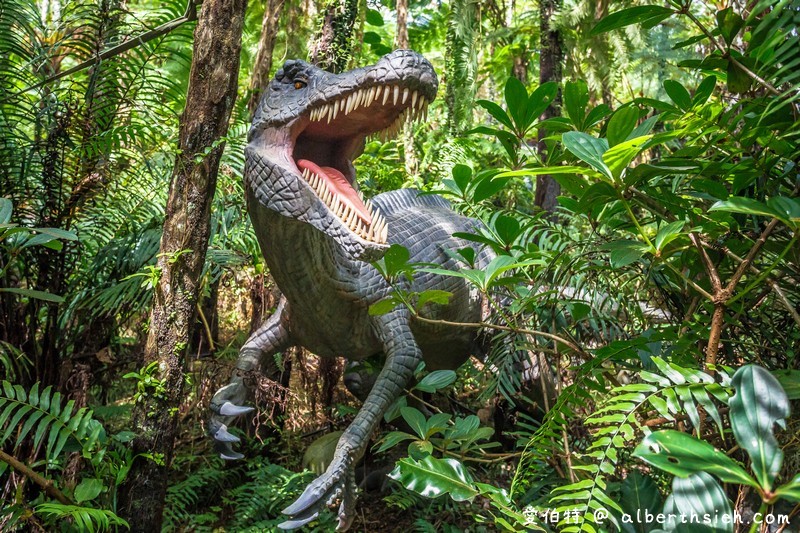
column 370, row 97
column 425, row 113
column 328, row 113
column 386, row 91
column 414, row 97
column 396, row 94
column 384, row 234
column 405, row 95
column 335, row 111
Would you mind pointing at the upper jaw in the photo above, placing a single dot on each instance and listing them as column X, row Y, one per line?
column 318, row 144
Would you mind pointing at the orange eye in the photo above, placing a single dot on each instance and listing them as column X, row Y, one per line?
column 299, row 84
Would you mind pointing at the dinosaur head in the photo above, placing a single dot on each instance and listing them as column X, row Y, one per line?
column 311, row 125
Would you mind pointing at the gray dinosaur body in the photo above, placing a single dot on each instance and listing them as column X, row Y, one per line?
column 318, row 237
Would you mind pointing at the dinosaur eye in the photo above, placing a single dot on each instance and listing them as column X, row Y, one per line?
column 299, row 84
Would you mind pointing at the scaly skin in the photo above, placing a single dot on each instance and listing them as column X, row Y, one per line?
column 320, row 262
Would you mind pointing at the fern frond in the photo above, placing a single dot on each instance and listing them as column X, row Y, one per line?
column 84, row 518
column 42, row 416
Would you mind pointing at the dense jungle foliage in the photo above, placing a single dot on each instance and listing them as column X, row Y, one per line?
column 635, row 167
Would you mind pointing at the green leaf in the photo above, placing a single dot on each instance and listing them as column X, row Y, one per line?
column 699, row 495
column 620, row 156
column 668, row 233
column 621, row 124
column 640, row 493
column 748, row 206
column 790, row 381
column 517, row 102
column 539, row 99
column 32, row 293
column 88, row 489
column 438, row 379
column 678, row 94
column 497, row 112
column 704, row 90
column 462, row 174
column 374, row 17
column 682, row 455
column 625, row 252
column 576, row 98
column 433, row 295
column 588, row 149
column 393, row 439
column 729, row 24
column 432, row 477
column 381, row 307
column 419, row 449
column 759, row 404
column 738, row 80
column 414, row 419
column 650, row 15
column 791, row 490
column 6, row 209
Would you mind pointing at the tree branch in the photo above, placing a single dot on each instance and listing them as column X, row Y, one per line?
column 47, row 484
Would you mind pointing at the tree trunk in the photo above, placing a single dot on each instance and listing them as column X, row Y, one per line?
column 269, row 31
column 209, row 101
column 401, row 41
column 548, row 189
column 333, row 45
column 461, row 64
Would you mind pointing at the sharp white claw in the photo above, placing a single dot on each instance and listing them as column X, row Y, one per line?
column 222, row 435
column 229, row 409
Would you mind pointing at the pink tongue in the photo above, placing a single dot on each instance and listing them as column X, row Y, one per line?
column 339, row 185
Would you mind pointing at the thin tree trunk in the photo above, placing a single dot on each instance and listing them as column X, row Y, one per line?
column 550, row 56
column 401, row 41
column 266, row 45
column 209, row 101
column 333, row 45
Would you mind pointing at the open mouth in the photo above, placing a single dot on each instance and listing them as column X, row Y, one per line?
column 331, row 134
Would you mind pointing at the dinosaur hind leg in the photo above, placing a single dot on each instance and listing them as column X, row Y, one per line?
column 338, row 482
column 257, row 353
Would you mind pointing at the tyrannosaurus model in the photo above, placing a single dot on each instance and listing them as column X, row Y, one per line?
column 318, row 236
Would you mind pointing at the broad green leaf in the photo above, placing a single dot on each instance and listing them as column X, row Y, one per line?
column 497, row 112
column 588, row 149
column 88, row 489
column 759, row 404
column 381, row 307
column 374, row 17
column 678, row 94
column 415, row 419
column 621, row 125
column 704, row 90
column 747, row 206
column 6, row 208
column 791, row 490
column 682, row 455
column 650, row 15
column 438, row 379
column 539, row 99
column 701, row 495
column 435, row 296
column 517, row 102
column 576, row 98
column 790, row 381
column 432, row 477
column 668, row 233
column 729, row 24
column 462, row 174
column 618, row 157
column 550, row 170
column 625, row 252
column 738, row 80
column 639, row 494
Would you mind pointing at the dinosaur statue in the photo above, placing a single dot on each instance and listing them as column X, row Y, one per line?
column 319, row 235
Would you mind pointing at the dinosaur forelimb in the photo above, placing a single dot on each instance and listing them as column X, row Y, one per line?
column 257, row 353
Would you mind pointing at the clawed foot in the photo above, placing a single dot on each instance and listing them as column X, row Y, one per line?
column 337, row 483
column 224, row 412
